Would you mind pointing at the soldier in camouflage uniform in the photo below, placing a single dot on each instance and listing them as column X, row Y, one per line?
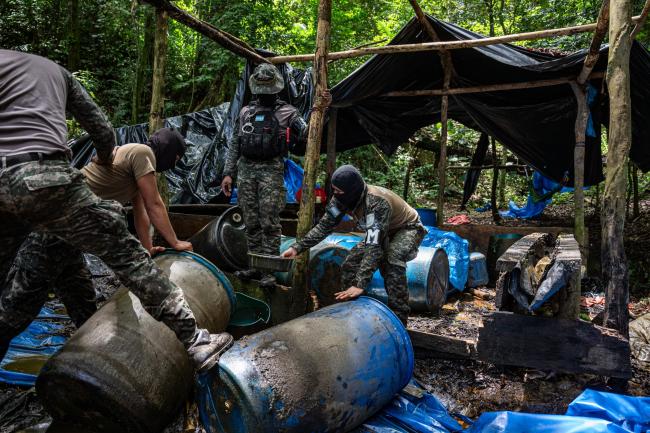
column 267, row 129
column 393, row 235
column 40, row 192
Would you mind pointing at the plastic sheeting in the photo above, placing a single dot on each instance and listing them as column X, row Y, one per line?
column 31, row 348
column 457, row 250
column 472, row 175
column 536, row 124
column 542, row 186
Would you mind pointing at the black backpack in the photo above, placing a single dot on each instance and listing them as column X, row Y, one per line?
column 261, row 136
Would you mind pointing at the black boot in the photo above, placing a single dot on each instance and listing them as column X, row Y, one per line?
column 248, row 274
column 267, row 281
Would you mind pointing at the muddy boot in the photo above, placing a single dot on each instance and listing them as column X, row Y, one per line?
column 207, row 349
column 267, row 281
column 248, row 274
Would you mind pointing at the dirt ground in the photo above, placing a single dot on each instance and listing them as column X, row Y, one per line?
column 466, row 387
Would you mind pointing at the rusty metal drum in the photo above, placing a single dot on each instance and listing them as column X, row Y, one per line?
column 124, row 371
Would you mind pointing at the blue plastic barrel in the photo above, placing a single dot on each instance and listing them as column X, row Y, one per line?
column 326, row 371
column 478, row 273
column 428, row 216
column 427, row 275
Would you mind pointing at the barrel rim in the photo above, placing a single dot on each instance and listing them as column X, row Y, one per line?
column 403, row 332
column 219, row 275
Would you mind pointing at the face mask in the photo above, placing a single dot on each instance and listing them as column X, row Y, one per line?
column 348, row 179
column 167, row 144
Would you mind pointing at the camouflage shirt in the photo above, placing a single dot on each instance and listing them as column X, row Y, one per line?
column 287, row 116
column 374, row 219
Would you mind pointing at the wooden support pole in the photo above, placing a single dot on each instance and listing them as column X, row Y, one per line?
column 312, row 154
column 446, row 45
column 489, row 87
column 614, row 262
column 225, row 39
column 580, row 91
column 331, row 148
column 448, row 72
column 642, row 19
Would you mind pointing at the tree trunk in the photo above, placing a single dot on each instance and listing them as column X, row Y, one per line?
column 614, row 262
column 74, row 36
column 156, row 115
column 306, row 213
column 413, row 156
column 502, row 179
column 144, row 63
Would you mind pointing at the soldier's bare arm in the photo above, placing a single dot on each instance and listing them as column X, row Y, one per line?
column 158, row 213
column 91, row 118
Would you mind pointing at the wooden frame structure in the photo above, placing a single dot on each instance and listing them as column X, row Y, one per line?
column 322, row 57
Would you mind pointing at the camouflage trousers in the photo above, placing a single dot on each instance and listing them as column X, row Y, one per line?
column 50, row 197
column 262, row 196
column 45, row 264
column 401, row 247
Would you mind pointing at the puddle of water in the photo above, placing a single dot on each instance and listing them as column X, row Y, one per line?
column 27, row 365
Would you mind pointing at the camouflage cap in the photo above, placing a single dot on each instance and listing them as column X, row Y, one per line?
column 266, row 80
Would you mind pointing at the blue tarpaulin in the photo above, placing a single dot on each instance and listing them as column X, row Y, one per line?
column 534, row 207
column 457, row 250
column 42, row 338
column 293, row 174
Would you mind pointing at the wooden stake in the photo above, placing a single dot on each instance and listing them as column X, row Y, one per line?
column 306, row 212
column 446, row 45
column 615, row 269
column 225, row 39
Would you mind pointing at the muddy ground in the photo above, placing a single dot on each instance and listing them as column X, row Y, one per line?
column 466, row 387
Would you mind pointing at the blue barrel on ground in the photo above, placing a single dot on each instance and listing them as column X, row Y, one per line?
column 327, row 371
column 427, row 275
column 478, row 273
column 428, row 216
column 124, row 371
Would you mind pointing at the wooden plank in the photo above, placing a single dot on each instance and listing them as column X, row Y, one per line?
column 478, row 235
column 568, row 251
column 441, row 346
column 570, row 346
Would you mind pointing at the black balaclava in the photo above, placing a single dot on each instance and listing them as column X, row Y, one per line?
column 348, row 179
column 167, row 144
column 267, row 100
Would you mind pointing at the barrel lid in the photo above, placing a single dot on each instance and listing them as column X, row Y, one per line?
column 438, row 280
column 225, row 282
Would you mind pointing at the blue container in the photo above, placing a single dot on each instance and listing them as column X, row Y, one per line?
column 428, row 217
column 326, row 371
column 427, row 275
column 478, row 274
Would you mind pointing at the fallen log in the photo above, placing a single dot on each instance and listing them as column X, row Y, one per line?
column 441, row 346
column 569, row 346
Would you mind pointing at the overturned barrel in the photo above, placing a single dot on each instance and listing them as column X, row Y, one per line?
column 223, row 241
column 427, row 275
column 123, row 371
column 326, row 371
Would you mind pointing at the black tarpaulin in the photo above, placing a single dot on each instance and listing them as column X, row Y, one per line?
column 535, row 124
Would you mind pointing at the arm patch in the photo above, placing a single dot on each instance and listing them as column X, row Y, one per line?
column 373, row 235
